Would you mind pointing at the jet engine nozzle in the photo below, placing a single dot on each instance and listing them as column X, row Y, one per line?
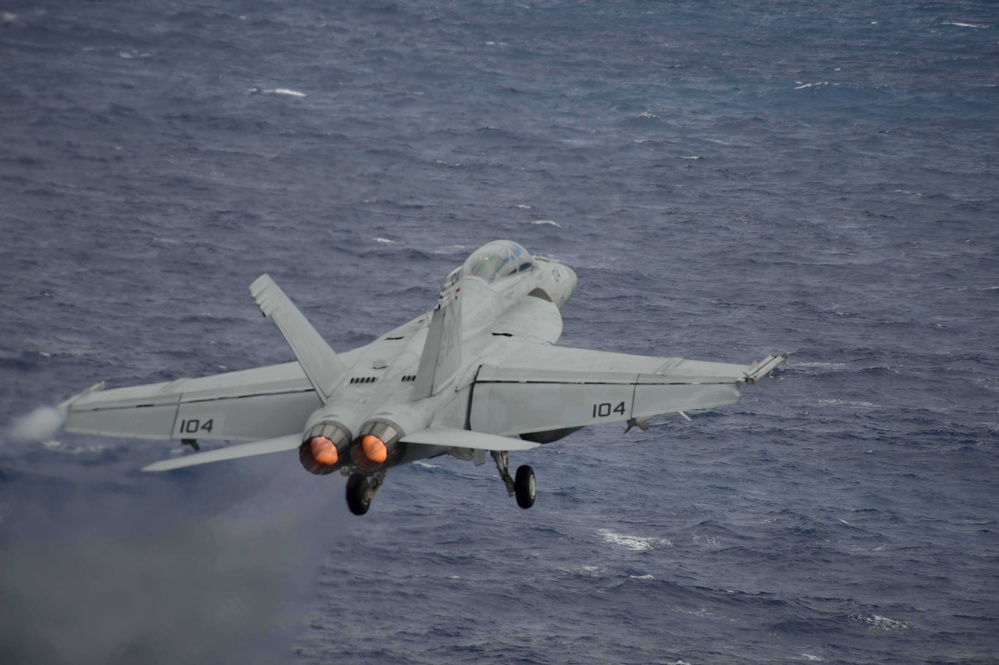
column 377, row 446
column 374, row 448
column 324, row 448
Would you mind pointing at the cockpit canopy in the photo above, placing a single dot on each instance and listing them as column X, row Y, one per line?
column 498, row 260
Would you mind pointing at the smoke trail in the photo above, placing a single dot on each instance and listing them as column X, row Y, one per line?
column 215, row 566
column 40, row 425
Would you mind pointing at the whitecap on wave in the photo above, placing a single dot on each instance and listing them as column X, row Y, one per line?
column 803, row 86
column 819, row 365
column 277, row 91
column 584, row 571
column 633, row 543
column 880, row 623
column 546, row 222
column 843, row 402
column 69, row 449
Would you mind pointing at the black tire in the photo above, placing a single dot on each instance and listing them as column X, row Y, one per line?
column 357, row 496
column 526, row 487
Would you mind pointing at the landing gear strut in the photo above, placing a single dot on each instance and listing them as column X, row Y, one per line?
column 361, row 490
column 524, row 487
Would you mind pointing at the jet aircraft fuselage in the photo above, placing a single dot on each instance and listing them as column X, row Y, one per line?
column 479, row 369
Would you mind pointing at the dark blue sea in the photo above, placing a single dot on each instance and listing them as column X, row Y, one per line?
column 728, row 179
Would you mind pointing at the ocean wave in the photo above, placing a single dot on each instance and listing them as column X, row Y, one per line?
column 276, row 91
column 959, row 24
column 880, row 624
column 633, row 543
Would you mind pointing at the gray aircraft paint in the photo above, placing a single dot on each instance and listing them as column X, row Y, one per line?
column 479, row 368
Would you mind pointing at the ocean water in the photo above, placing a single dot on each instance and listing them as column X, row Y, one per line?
column 727, row 179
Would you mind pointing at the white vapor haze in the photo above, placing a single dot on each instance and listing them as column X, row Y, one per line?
column 39, row 425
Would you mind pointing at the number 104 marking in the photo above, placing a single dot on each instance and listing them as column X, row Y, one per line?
column 604, row 409
column 193, row 426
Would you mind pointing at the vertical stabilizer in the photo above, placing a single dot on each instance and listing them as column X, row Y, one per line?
column 321, row 365
column 441, row 357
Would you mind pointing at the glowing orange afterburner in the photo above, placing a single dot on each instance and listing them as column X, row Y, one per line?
column 374, row 448
column 323, row 450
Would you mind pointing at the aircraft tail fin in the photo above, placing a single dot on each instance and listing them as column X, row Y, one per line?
column 320, row 363
column 441, row 358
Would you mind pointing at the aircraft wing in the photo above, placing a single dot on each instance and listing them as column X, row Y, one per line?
column 262, row 403
column 546, row 388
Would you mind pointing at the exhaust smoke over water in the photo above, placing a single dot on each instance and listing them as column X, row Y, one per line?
column 121, row 574
column 39, row 425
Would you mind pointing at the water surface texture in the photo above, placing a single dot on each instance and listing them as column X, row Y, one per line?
column 728, row 179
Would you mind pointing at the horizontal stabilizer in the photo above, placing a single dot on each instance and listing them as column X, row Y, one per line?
column 463, row 438
column 317, row 359
column 266, row 447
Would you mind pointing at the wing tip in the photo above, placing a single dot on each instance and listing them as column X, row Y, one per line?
column 762, row 368
column 96, row 388
column 266, row 294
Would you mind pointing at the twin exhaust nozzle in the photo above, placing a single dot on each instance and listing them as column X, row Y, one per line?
column 323, row 447
column 328, row 446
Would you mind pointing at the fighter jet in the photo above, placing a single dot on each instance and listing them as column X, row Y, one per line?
column 478, row 374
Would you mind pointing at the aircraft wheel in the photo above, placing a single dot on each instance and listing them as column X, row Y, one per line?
column 526, row 487
column 358, row 497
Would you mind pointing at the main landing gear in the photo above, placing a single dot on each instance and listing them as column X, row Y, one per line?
column 361, row 487
column 525, row 487
column 361, row 490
